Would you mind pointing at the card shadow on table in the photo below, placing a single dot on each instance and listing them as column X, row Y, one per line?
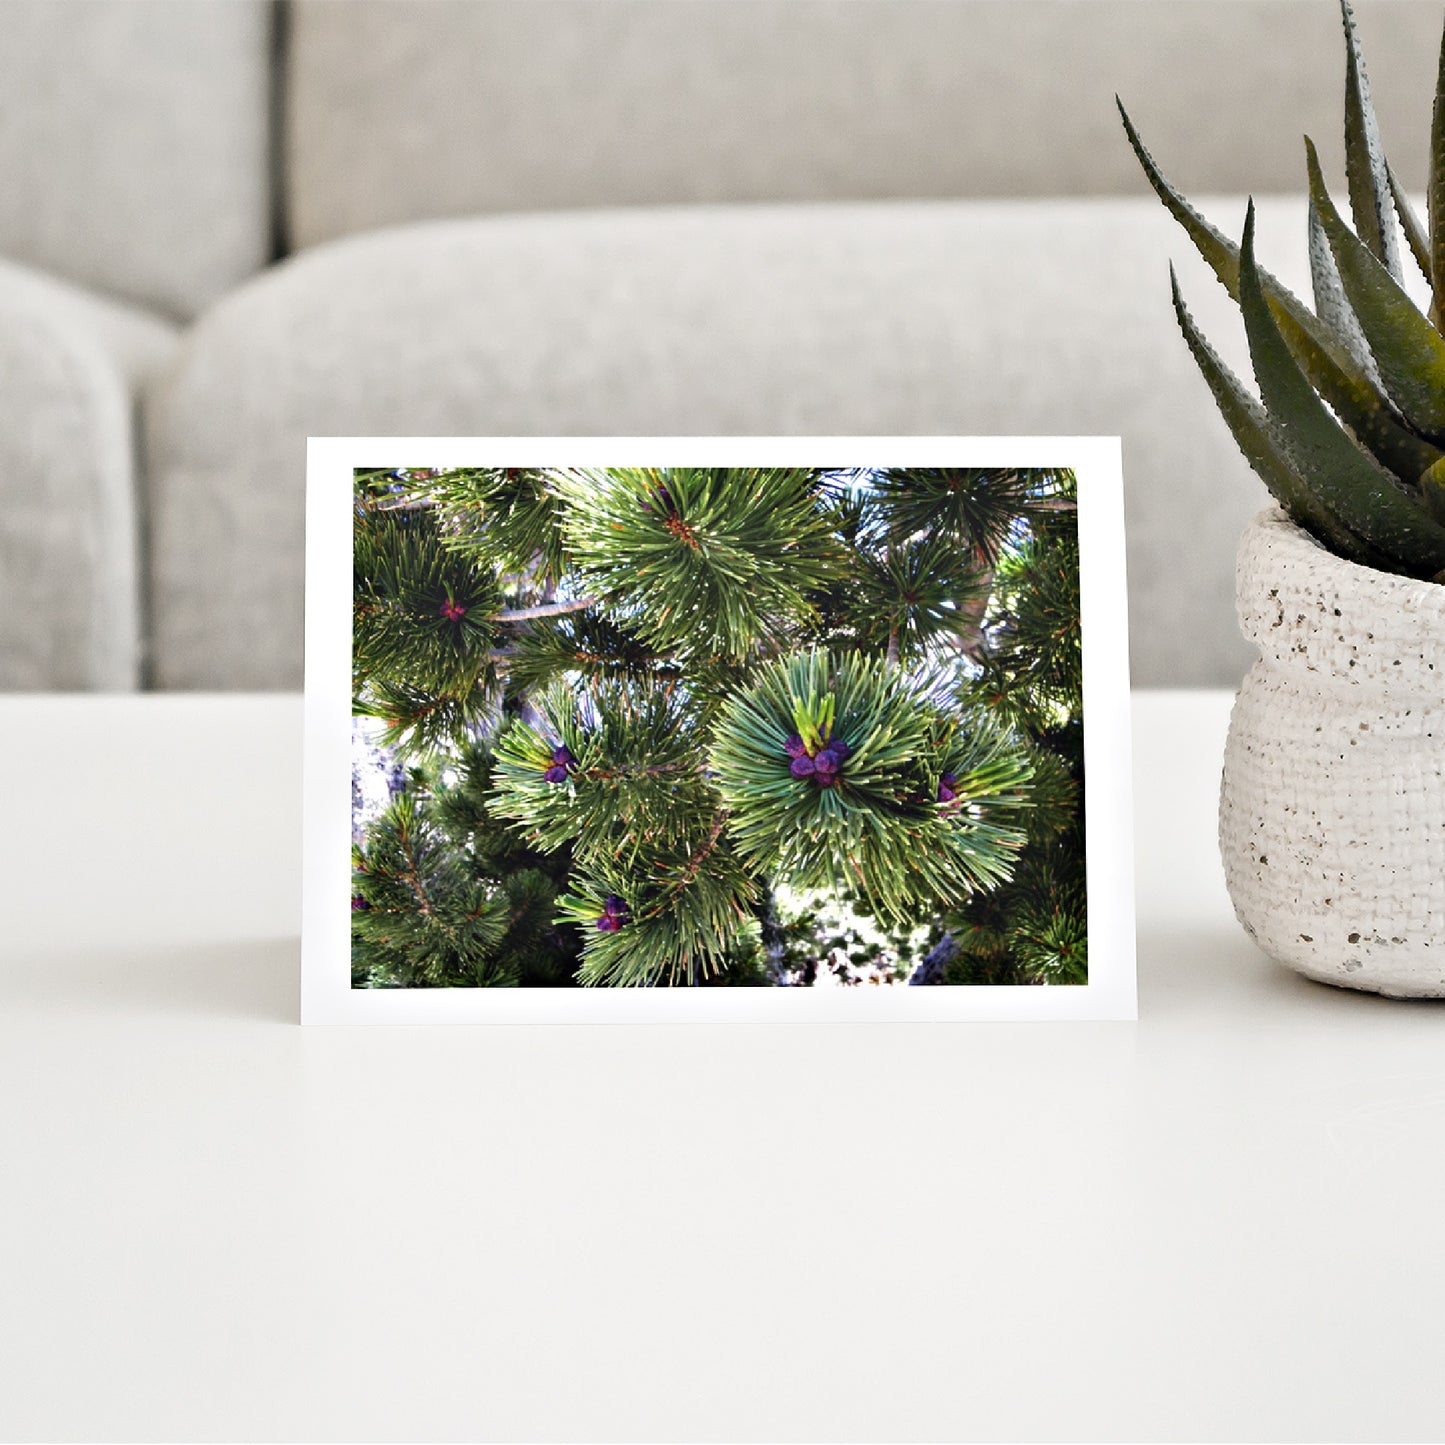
column 249, row 981
column 1190, row 967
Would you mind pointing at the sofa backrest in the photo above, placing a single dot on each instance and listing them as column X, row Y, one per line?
column 135, row 144
column 401, row 111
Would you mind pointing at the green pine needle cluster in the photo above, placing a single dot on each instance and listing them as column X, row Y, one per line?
column 704, row 561
column 601, row 682
column 880, row 830
column 423, row 626
column 445, row 895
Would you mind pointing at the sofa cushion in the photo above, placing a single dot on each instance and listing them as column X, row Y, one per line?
column 70, row 364
column 926, row 318
column 134, row 140
column 400, row 112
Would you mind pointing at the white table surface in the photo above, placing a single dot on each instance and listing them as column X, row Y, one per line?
column 1225, row 1221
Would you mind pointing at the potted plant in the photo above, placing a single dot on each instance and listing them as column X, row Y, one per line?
column 1332, row 809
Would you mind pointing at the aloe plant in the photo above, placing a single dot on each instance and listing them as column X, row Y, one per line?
column 1348, row 430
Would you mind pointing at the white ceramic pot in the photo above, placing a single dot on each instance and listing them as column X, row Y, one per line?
column 1332, row 811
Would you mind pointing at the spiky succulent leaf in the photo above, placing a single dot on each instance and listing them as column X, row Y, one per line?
column 1331, row 302
column 1361, row 493
column 1432, row 484
column 1409, row 353
column 1323, row 356
column 1435, row 192
column 1249, row 424
column 1366, row 173
column 1416, row 236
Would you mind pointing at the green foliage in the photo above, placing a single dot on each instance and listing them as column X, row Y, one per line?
column 916, row 593
column 446, row 897
column 604, row 679
column 423, row 626
column 1033, row 927
column 880, row 829
column 1033, row 671
column 969, row 507
column 635, row 782
column 506, row 518
column 686, row 913
column 925, row 542
column 1048, row 939
column 423, row 915
column 588, row 644
column 700, row 560
column 1346, row 439
column 644, row 825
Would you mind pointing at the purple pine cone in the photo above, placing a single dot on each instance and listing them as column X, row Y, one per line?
column 946, row 786
column 839, row 749
column 556, row 773
column 802, row 767
column 563, row 756
column 824, row 780
column 358, row 903
column 795, row 747
column 613, row 915
column 825, row 765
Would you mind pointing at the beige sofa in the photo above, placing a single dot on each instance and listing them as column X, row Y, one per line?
column 642, row 216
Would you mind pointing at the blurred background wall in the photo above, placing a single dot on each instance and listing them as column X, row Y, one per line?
column 228, row 224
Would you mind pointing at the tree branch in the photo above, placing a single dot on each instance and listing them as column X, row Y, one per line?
column 549, row 609
column 969, row 639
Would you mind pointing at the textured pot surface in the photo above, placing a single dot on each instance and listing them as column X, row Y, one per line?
column 1332, row 811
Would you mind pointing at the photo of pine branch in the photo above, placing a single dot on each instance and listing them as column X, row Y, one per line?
column 716, row 727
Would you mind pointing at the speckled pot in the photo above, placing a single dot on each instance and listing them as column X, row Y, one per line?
column 1332, row 811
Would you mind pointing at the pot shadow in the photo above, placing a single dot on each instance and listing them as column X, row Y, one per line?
column 1214, row 966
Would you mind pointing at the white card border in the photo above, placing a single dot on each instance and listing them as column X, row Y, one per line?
column 326, row 993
